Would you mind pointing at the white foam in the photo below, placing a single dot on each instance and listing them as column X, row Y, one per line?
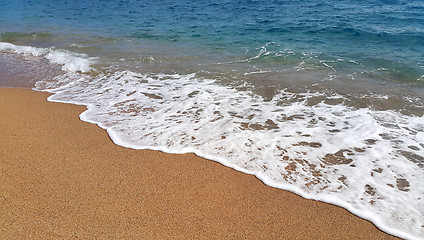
column 70, row 61
column 369, row 162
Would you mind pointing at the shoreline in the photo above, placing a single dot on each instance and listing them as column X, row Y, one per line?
column 64, row 178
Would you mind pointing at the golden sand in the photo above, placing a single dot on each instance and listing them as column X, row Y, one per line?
column 61, row 178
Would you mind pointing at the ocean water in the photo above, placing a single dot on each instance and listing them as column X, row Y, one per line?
column 321, row 98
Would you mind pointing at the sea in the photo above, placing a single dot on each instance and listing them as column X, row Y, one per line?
column 321, row 98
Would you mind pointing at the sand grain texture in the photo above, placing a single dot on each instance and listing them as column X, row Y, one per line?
column 62, row 178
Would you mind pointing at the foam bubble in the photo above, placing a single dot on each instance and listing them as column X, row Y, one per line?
column 70, row 61
column 367, row 161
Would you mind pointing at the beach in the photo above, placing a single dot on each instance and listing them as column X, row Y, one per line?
column 63, row 178
column 212, row 119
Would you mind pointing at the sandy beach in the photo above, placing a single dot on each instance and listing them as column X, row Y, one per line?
column 62, row 178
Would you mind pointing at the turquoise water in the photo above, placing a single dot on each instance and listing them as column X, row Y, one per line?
column 322, row 98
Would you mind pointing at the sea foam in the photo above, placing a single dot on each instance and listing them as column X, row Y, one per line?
column 70, row 61
column 367, row 161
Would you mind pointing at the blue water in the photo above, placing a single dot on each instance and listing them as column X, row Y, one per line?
column 375, row 34
column 322, row 98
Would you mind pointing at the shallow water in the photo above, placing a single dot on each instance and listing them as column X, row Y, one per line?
column 324, row 99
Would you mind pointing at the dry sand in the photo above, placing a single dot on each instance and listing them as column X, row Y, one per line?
column 62, row 178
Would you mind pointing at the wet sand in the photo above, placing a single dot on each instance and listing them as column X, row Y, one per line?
column 62, row 178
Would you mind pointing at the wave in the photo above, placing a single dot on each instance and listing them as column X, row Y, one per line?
column 70, row 61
